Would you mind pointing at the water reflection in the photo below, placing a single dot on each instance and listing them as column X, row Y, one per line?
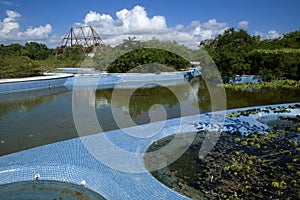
column 142, row 99
column 34, row 121
column 26, row 101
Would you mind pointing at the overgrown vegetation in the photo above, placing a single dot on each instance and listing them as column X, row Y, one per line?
column 148, row 60
column 234, row 52
column 33, row 59
column 253, row 167
column 284, row 83
column 151, row 56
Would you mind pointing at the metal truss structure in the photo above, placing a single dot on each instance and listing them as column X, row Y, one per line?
column 83, row 37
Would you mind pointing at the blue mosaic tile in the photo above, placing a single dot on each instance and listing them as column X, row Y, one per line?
column 70, row 161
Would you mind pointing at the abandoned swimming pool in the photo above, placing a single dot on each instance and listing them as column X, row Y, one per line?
column 46, row 123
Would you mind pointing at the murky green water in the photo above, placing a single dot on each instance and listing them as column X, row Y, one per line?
column 46, row 116
column 47, row 190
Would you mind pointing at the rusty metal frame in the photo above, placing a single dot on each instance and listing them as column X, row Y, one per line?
column 83, row 37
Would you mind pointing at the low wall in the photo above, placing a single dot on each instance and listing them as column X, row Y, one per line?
column 31, row 83
column 103, row 81
column 127, row 80
column 28, row 94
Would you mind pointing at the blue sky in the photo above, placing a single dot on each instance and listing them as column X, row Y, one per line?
column 48, row 21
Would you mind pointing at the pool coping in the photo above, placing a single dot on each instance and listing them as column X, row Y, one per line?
column 18, row 85
column 35, row 78
column 70, row 161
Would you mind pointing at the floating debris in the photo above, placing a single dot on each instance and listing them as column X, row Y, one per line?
column 37, row 176
column 83, row 183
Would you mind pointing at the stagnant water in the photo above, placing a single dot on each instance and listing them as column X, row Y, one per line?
column 46, row 189
column 36, row 118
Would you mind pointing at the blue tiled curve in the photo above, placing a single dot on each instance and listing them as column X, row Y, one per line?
column 70, row 161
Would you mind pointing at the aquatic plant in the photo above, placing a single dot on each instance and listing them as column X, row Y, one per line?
column 259, row 166
column 253, row 167
column 278, row 109
column 283, row 83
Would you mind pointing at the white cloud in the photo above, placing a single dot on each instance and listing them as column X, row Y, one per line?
column 98, row 19
column 133, row 22
column 272, row 34
column 243, row 25
column 38, row 33
column 10, row 30
column 9, row 25
column 189, row 35
column 207, row 30
column 137, row 18
column 126, row 20
column 6, row 3
column 12, row 14
column 137, row 23
column 212, row 24
column 179, row 27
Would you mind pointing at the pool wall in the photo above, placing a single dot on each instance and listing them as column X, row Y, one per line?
column 127, row 80
column 101, row 80
column 28, row 94
column 32, row 83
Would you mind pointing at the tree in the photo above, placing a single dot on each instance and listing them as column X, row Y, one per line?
column 151, row 56
column 130, row 43
column 236, row 52
column 36, row 51
column 148, row 60
column 229, row 51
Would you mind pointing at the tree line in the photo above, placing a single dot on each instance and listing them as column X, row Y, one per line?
column 234, row 52
column 33, row 59
column 152, row 56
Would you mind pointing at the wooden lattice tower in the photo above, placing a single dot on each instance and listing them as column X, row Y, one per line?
column 83, row 37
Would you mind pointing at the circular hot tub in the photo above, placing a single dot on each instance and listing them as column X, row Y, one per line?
column 46, row 189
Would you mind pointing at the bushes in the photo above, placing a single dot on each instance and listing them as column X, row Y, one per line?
column 18, row 67
column 236, row 52
column 32, row 59
column 148, row 59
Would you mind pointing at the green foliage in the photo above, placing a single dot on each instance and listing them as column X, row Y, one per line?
column 233, row 52
column 229, row 51
column 277, row 163
column 36, row 51
column 148, row 57
column 16, row 67
column 241, row 168
column 32, row 59
column 236, row 52
column 21, row 61
column 73, row 58
column 276, row 63
column 145, row 56
column 130, row 43
column 283, row 83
